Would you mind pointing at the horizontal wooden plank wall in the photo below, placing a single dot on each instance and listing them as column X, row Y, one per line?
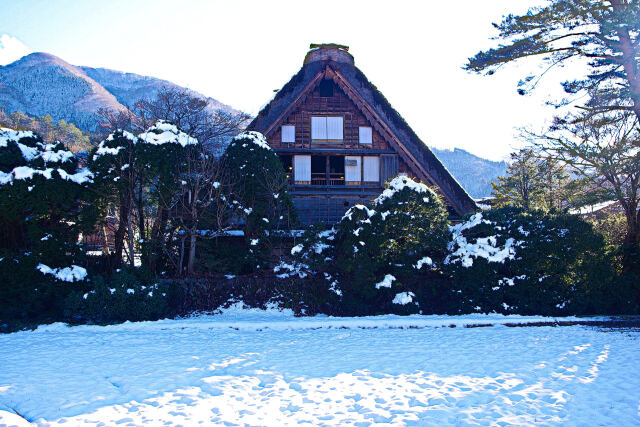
column 337, row 105
column 326, row 209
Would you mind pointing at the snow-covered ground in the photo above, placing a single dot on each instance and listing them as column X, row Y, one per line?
column 267, row 368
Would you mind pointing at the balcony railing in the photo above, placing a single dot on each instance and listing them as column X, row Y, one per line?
column 320, row 178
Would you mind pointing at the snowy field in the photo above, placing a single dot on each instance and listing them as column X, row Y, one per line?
column 252, row 367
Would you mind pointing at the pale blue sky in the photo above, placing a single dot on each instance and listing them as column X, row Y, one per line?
column 239, row 51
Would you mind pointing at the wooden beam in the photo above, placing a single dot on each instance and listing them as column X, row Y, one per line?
column 308, row 88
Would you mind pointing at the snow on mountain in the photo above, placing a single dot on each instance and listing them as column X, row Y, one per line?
column 128, row 88
column 472, row 172
column 41, row 83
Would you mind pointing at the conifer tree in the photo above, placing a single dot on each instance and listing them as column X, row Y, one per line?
column 43, row 210
column 603, row 34
column 257, row 188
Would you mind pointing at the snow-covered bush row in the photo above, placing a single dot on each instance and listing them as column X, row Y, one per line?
column 31, row 157
column 130, row 294
column 488, row 248
column 513, row 261
column 400, row 255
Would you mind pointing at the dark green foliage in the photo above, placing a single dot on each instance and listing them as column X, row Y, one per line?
column 599, row 140
column 132, row 294
column 514, row 261
column 227, row 255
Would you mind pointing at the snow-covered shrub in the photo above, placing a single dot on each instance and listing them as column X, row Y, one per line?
column 386, row 257
column 32, row 292
column 527, row 262
column 44, row 206
column 129, row 294
column 259, row 193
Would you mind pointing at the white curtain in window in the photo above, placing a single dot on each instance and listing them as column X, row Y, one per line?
column 365, row 135
column 334, row 128
column 318, row 128
column 352, row 166
column 288, row 133
column 302, row 168
column 371, row 168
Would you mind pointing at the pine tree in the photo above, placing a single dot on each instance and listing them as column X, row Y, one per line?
column 604, row 34
column 523, row 184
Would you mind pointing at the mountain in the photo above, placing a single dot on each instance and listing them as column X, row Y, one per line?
column 41, row 83
column 472, row 172
column 128, row 88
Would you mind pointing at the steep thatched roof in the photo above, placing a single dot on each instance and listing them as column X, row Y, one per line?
column 338, row 62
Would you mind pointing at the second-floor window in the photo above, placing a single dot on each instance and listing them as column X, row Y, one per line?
column 365, row 135
column 327, row 129
column 288, row 133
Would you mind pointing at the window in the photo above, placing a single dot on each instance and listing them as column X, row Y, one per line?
column 327, row 128
column 365, row 135
column 371, row 168
column 302, row 169
column 288, row 133
column 334, row 128
column 352, row 173
column 318, row 128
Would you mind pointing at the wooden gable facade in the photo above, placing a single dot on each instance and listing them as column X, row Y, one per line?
column 340, row 140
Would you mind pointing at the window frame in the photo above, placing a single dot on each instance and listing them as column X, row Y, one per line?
column 325, row 133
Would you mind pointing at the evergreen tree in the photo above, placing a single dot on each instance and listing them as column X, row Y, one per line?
column 529, row 262
column 258, row 188
column 541, row 182
column 600, row 141
column 523, row 183
column 603, row 34
column 43, row 210
column 115, row 165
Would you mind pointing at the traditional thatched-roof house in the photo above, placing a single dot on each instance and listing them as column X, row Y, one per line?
column 341, row 140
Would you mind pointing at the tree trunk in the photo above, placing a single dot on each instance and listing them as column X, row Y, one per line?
column 192, row 253
column 181, row 262
column 144, row 256
column 629, row 60
column 105, row 245
column 131, row 245
column 123, row 224
column 631, row 243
